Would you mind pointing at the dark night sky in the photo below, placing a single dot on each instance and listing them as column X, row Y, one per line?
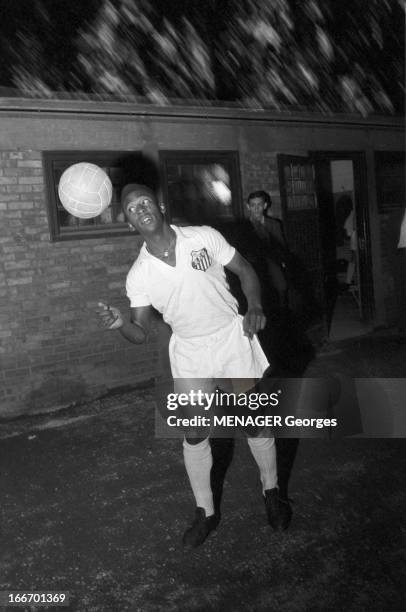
column 56, row 33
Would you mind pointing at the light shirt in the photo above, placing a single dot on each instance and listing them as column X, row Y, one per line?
column 349, row 224
column 193, row 296
column 351, row 231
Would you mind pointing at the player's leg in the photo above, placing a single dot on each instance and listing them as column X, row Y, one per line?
column 286, row 451
column 222, row 450
column 196, row 447
column 278, row 510
column 263, row 449
column 198, row 463
column 264, row 452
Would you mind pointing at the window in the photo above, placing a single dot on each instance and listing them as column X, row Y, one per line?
column 297, row 181
column 122, row 167
column 201, row 187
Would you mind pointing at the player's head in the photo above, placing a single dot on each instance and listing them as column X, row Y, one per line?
column 141, row 208
column 258, row 203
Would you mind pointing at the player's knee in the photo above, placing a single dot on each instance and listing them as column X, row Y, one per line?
column 194, row 438
column 260, row 442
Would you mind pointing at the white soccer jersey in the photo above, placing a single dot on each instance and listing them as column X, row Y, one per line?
column 193, row 296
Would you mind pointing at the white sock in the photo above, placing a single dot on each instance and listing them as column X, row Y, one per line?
column 198, row 462
column 264, row 452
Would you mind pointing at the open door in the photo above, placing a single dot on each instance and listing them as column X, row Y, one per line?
column 327, row 230
column 322, row 161
column 301, row 219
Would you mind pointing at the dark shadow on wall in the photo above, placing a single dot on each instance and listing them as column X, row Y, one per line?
column 284, row 339
column 137, row 167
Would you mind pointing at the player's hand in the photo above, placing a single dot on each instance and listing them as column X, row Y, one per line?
column 253, row 321
column 110, row 316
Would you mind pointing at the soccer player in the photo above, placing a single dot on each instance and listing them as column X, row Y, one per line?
column 180, row 272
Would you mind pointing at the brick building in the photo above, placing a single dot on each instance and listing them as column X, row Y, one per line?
column 54, row 269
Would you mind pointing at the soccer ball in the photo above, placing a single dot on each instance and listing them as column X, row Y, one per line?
column 85, row 190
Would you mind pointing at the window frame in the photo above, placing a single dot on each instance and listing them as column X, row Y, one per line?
column 193, row 156
column 101, row 158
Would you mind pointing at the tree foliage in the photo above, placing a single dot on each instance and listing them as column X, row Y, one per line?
column 133, row 49
column 324, row 55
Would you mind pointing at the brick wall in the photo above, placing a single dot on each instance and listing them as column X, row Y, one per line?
column 52, row 351
column 259, row 170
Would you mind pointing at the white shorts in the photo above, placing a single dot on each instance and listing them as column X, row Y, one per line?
column 225, row 354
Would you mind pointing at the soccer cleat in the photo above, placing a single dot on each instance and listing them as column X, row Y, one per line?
column 278, row 510
column 200, row 528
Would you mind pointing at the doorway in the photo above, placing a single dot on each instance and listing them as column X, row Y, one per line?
column 344, row 230
column 325, row 212
column 340, row 249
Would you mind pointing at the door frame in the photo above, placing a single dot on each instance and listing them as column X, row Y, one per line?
column 312, row 285
column 358, row 159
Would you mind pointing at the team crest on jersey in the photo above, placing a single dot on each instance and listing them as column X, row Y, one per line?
column 201, row 260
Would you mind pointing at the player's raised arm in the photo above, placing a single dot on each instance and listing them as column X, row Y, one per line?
column 254, row 319
column 136, row 330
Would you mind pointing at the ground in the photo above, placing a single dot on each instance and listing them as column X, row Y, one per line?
column 94, row 504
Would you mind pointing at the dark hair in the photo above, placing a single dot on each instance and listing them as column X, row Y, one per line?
column 344, row 205
column 137, row 189
column 261, row 194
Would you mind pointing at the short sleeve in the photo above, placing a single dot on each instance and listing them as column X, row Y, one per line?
column 136, row 289
column 222, row 251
